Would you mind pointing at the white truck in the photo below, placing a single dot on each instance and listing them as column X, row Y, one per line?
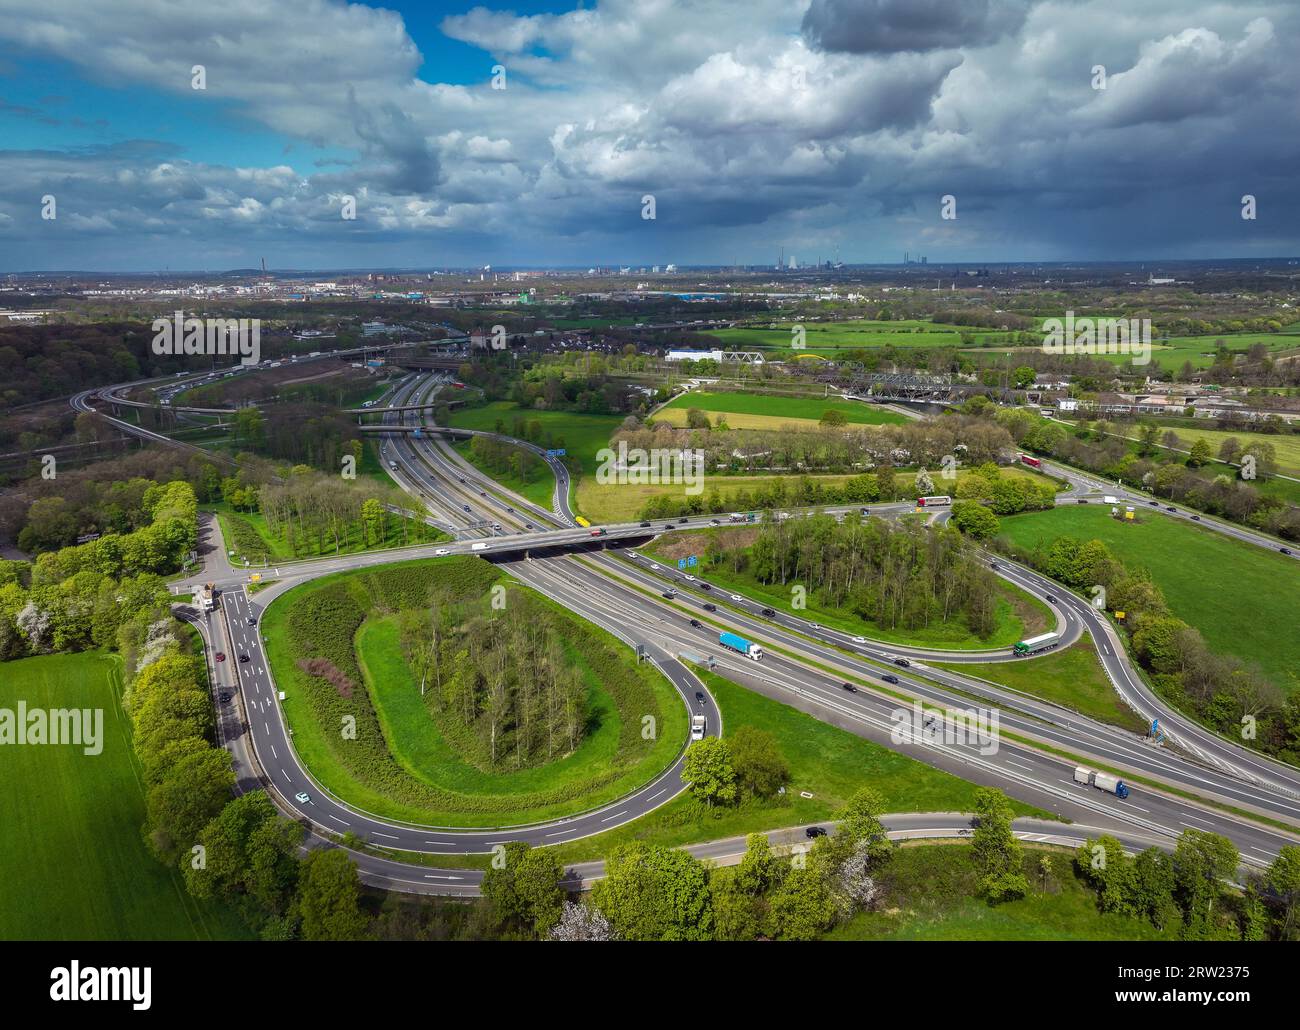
column 1102, row 781
column 1042, row 642
column 698, row 727
column 480, row 546
column 208, row 597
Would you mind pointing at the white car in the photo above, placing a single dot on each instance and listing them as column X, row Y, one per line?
column 653, row 565
column 690, row 578
column 736, row 597
column 302, row 797
column 859, row 640
column 440, row 552
column 633, row 554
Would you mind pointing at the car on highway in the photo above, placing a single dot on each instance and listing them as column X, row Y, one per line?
column 714, row 522
column 710, row 607
column 528, row 525
column 461, row 478
column 682, row 520
column 244, row 658
column 302, row 797
column 769, row 612
column 699, row 699
column 1081, row 500
column 849, row 687
column 225, row 696
column 465, row 507
column 1196, row 518
column 633, row 554
column 645, row 525
column 1285, row 550
column 1154, row 504
column 653, row 565
column 252, row 620
column 1051, row 599
column 689, row 578
column 866, row 512
column 440, row 552
column 705, row 586
column 221, row 657
column 903, row 662
column 889, row 677
column 668, row 594
column 509, row 509
column 813, row 832
column 697, row 624
column 737, row 597
column 993, row 565
column 859, row 640
column 1170, row 508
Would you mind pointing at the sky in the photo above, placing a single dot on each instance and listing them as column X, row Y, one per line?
column 142, row 135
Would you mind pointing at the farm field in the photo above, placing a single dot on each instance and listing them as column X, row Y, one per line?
column 623, row 502
column 763, row 411
column 79, row 816
column 1242, row 598
column 1073, row 677
column 853, row 335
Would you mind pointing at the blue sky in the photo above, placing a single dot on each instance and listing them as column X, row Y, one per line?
column 822, row 127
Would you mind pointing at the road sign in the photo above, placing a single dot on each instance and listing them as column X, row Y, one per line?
column 681, row 563
column 558, row 452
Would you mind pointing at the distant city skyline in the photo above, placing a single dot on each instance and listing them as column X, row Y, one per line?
column 545, row 135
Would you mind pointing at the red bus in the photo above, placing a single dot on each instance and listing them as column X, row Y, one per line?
column 1032, row 462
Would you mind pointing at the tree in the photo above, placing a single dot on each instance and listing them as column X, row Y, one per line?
column 975, row 520
column 709, row 769
column 696, row 419
column 923, row 485
column 525, row 891
column 579, row 922
column 996, row 850
column 186, row 799
column 1230, row 450
column 759, row 766
column 653, row 893
column 833, row 419
column 1283, row 882
column 1202, row 862
column 803, row 907
column 329, row 892
column 1023, row 377
column 1201, row 453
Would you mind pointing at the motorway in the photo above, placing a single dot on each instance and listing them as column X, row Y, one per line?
column 805, row 666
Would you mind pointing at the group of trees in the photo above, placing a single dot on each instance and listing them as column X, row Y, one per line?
column 503, row 458
column 1222, row 691
column 503, row 689
column 1165, row 473
column 1188, row 890
column 745, row 764
column 895, row 576
column 956, row 439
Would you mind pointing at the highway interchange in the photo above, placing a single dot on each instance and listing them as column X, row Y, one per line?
column 804, row 666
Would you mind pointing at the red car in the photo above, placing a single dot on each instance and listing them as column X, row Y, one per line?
column 221, row 656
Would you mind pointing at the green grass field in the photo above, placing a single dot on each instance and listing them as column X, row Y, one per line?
column 580, row 435
column 406, row 769
column 828, row 337
column 781, row 409
column 72, row 860
column 1073, row 677
column 247, row 534
column 929, row 895
column 827, row 762
column 1242, row 598
column 1018, row 614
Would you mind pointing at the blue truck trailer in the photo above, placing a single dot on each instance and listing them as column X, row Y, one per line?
column 740, row 645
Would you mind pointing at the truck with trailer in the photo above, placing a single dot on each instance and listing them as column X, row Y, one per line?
column 208, row 597
column 699, row 726
column 934, row 501
column 1102, row 781
column 740, row 645
column 1042, row 642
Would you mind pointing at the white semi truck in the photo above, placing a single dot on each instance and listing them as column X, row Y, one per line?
column 1102, row 781
column 1042, row 642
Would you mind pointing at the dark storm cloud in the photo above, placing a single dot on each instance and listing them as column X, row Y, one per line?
column 888, row 26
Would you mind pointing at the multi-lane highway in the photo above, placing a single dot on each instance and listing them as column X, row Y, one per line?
column 806, row 665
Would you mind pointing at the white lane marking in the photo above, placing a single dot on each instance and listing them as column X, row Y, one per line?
column 614, row 816
column 656, row 794
column 1203, row 822
column 388, row 835
column 285, row 775
column 441, row 876
column 273, row 753
column 559, row 833
column 338, row 820
column 1023, row 765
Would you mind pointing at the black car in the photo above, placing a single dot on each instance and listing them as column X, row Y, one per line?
column 1285, row 550
column 768, row 612
column 683, row 520
column 714, row 607
column 889, row 677
column 461, row 478
column 866, row 512
column 1154, row 504
column 1168, row 508
column 704, row 586
column 1196, row 518
column 528, row 525
column 252, row 621
column 902, row 661
column 1081, row 500
column 243, row 658
column 465, row 506
column 225, row 696
column 1051, row 599
column 645, row 525
column 699, row 699
column 697, row 624
column 814, row 832
column 849, row 687
column 668, row 594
